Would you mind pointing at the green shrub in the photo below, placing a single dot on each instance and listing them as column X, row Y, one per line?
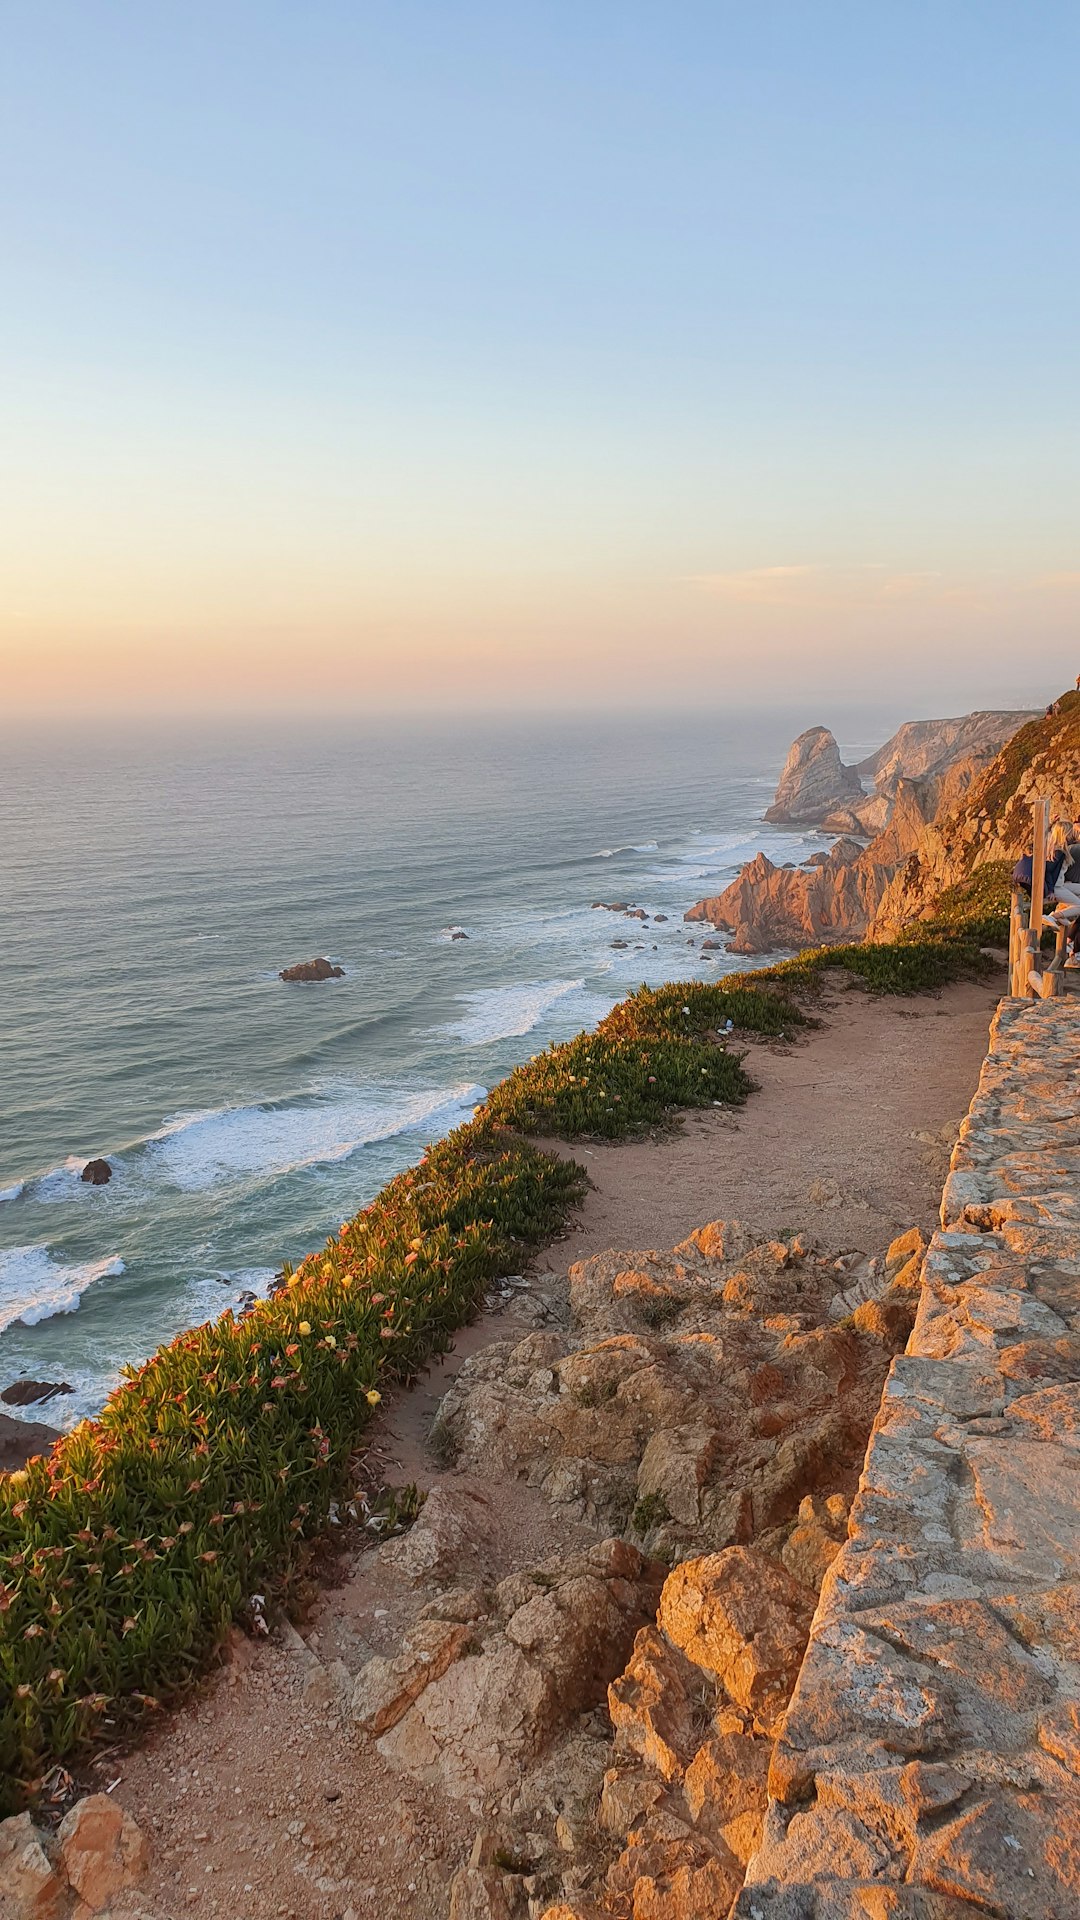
column 698, row 1009
column 126, row 1552
column 607, row 1089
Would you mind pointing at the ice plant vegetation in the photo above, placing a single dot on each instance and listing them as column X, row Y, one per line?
column 126, row 1553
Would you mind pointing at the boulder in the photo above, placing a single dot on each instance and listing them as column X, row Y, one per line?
column 454, row 1527
column 814, row 780
column 20, row 1440
column 97, row 1173
column 312, row 970
column 744, row 1619
column 726, row 1789
column 102, row 1850
column 30, row 1887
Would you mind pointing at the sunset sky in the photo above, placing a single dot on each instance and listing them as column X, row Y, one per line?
column 355, row 355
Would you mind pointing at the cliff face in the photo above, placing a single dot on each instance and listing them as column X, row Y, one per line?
column 920, row 746
column 945, row 790
column 769, row 908
column 991, row 819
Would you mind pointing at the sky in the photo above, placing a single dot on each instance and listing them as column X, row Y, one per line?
column 587, row 354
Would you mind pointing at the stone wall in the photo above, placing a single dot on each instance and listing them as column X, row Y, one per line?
column 929, row 1762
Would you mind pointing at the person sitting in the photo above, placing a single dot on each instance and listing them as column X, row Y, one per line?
column 1065, row 841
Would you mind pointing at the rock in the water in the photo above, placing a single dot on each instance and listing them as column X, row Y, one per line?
column 102, row 1850
column 459, row 933
column 26, row 1393
column 97, row 1172
column 312, row 970
column 814, row 780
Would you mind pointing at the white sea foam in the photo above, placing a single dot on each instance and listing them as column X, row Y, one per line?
column 11, row 1193
column 503, row 1013
column 196, row 1151
column 34, row 1286
column 639, row 846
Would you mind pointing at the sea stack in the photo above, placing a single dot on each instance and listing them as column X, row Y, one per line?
column 814, row 781
column 97, row 1173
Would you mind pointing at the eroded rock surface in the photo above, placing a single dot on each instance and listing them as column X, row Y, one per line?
column 929, row 1757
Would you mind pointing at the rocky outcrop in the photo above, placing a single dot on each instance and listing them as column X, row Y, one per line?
column 698, row 1397
column 468, row 1704
column 929, row 772
column 97, row 1855
column 929, row 1761
column 20, row 1440
column 769, row 909
column 815, row 780
column 312, row 970
column 97, row 1173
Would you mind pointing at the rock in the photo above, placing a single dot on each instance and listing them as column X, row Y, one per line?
column 560, row 1632
column 312, row 970
column 726, row 1789
column 627, row 1795
column 386, row 1689
column 20, row 1440
column 454, row 1526
column 25, row 1393
column 652, row 1706
column 30, row 1887
column 480, row 1893
column 459, row 933
column 97, row 1172
column 814, row 780
column 769, row 908
column 814, row 1544
column 675, row 1467
column 743, row 1618
column 684, row 1877
column 102, row 1850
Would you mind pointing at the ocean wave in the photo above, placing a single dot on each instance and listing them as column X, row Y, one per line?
column 11, row 1193
column 34, row 1286
column 199, row 1150
column 503, row 1013
column 638, row 846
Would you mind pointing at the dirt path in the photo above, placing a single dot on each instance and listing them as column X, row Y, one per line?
column 847, row 1137
column 260, row 1796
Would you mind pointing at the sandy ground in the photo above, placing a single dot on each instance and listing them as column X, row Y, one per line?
column 259, row 1795
column 849, row 1133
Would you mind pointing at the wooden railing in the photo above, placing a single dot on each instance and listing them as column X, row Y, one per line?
column 1029, row 977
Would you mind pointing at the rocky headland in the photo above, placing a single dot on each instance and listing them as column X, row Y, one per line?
column 924, row 786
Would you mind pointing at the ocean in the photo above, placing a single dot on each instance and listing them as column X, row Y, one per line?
column 155, row 880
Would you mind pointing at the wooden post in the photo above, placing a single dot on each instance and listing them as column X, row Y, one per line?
column 1040, row 822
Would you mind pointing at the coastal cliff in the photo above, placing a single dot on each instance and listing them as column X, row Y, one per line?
column 935, row 814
